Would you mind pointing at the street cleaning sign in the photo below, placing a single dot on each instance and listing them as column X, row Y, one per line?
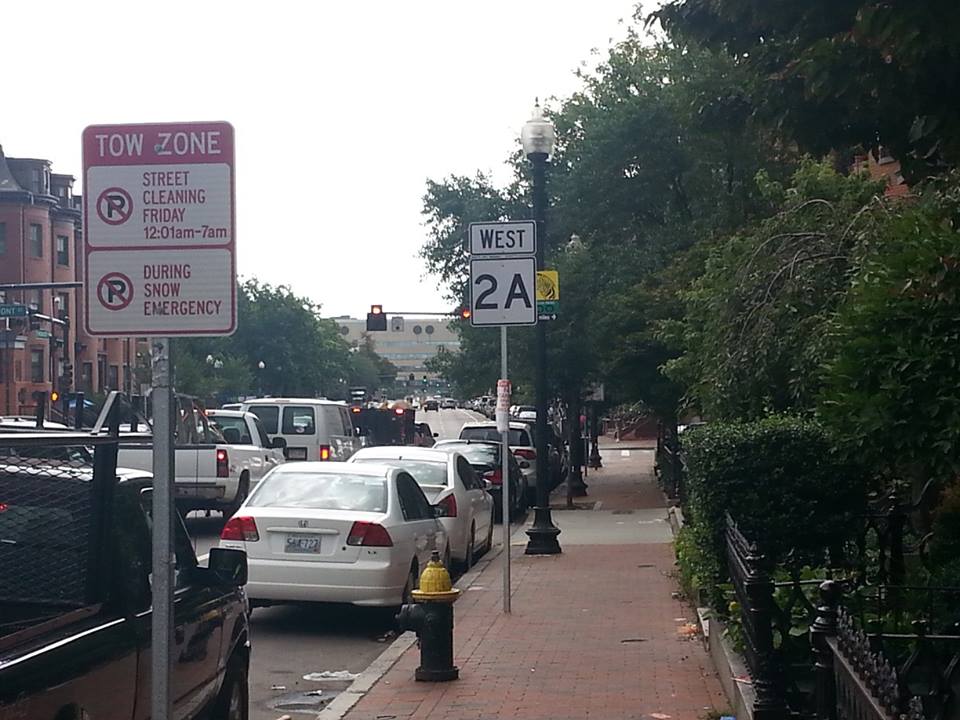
column 159, row 229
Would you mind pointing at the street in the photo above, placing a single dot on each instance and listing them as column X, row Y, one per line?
column 293, row 641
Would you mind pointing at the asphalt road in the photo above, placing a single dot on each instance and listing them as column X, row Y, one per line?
column 292, row 641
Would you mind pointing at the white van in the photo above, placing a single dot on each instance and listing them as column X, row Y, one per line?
column 312, row 429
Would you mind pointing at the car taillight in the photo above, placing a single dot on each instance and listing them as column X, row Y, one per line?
column 240, row 528
column 223, row 463
column 324, row 453
column 495, row 477
column 369, row 534
column 447, row 507
column 3, row 507
column 525, row 453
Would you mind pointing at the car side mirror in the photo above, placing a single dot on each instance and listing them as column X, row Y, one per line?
column 524, row 464
column 279, row 443
column 436, row 434
column 230, row 566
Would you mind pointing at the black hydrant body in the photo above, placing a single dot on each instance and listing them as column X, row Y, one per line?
column 431, row 617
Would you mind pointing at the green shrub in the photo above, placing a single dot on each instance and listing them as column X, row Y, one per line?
column 781, row 481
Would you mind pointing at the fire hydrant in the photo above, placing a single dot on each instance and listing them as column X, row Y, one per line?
column 431, row 617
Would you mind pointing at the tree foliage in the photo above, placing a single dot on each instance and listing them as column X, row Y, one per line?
column 892, row 386
column 839, row 74
column 302, row 353
column 754, row 322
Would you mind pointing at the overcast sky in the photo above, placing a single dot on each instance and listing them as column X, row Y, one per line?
column 342, row 110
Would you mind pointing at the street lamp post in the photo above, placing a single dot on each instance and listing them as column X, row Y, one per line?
column 538, row 138
column 260, row 366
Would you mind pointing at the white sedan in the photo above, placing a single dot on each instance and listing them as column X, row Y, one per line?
column 335, row 532
column 465, row 508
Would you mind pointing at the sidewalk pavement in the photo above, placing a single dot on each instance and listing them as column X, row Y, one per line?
column 595, row 632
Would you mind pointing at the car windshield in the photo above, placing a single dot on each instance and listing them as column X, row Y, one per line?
column 490, row 434
column 425, row 472
column 321, row 491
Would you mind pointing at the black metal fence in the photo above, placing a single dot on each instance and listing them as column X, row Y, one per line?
column 668, row 464
column 857, row 649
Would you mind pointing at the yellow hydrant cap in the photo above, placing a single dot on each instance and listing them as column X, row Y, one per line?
column 435, row 583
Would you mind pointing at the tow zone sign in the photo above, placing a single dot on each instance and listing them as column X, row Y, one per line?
column 159, row 229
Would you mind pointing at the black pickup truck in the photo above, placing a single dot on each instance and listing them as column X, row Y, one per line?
column 75, row 607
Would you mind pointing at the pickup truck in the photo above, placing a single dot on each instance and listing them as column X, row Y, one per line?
column 220, row 455
column 75, row 604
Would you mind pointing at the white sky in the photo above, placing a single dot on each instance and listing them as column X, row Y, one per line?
column 342, row 111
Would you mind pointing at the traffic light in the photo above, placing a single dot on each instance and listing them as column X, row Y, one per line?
column 54, row 396
column 464, row 313
column 376, row 319
column 68, row 375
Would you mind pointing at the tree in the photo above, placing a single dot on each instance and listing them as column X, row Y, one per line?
column 752, row 334
column 841, row 74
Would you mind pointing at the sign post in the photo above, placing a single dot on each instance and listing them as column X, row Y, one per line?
column 503, row 425
column 503, row 292
column 159, row 250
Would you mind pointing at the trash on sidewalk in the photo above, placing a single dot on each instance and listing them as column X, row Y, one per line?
column 330, row 675
column 634, row 640
column 688, row 630
column 660, row 716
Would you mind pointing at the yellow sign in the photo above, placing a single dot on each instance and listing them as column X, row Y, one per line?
column 548, row 285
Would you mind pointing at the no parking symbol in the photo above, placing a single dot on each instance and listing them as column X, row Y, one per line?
column 114, row 206
column 115, row 291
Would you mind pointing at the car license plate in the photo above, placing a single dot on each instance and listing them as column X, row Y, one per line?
column 303, row 544
column 296, row 453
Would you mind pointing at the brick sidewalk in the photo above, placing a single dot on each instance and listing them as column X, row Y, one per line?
column 594, row 631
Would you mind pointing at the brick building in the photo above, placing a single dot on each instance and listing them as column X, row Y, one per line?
column 41, row 241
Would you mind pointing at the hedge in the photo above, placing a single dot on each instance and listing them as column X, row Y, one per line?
column 779, row 478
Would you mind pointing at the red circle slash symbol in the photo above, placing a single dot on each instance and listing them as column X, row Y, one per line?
column 115, row 291
column 114, row 206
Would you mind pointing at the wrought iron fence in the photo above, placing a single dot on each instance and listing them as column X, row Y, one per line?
column 856, row 651
column 668, row 465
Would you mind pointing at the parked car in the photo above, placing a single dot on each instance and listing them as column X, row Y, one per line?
column 449, row 404
column 529, row 410
column 431, row 404
column 210, row 473
column 521, row 444
column 313, row 429
column 453, row 487
column 75, row 603
column 485, row 458
column 335, row 532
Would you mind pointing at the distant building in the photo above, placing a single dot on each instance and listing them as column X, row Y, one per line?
column 408, row 341
column 41, row 241
column 881, row 165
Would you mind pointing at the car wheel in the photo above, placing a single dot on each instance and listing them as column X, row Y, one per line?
column 413, row 579
column 471, row 549
column 233, row 702
column 243, row 489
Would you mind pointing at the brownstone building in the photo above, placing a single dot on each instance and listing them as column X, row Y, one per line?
column 41, row 241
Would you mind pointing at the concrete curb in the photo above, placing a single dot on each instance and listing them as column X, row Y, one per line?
column 344, row 702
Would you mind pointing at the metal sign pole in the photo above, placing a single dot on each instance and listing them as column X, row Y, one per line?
column 163, row 528
column 505, row 479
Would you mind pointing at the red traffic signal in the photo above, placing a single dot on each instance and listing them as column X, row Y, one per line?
column 465, row 313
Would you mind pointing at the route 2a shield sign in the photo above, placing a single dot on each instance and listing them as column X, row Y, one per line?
column 503, row 291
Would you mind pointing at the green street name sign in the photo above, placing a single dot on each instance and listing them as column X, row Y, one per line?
column 8, row 311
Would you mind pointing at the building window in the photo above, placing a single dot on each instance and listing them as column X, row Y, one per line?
column 86, row 378
column 36, row 181
column 113, row 377
column 36, row 301
column 36, row 240
column 36, row 366
column 3, row 238
column 63, row 250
